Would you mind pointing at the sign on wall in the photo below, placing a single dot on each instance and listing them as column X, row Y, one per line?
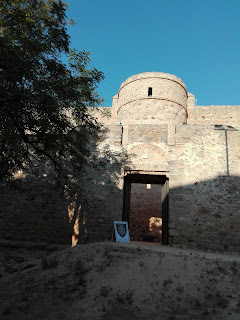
column 121, row 231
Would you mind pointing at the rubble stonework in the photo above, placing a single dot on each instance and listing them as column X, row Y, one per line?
column 196, row 147
column 156, row 133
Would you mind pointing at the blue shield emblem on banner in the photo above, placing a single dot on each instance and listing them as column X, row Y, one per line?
column 121, row 231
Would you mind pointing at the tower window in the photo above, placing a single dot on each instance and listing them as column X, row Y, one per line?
column 149, row 92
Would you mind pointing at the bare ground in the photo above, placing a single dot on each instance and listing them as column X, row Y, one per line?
column 108, row 281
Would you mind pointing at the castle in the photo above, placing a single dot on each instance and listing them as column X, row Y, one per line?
column 173, row 174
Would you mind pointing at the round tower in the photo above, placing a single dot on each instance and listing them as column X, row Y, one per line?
column 152, row 97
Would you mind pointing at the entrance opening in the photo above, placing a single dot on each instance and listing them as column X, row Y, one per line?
column 146, row 207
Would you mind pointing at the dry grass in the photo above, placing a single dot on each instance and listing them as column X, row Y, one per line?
column 112, row 281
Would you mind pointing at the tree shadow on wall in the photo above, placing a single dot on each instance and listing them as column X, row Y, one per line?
column 99, row 199
column 35, row 208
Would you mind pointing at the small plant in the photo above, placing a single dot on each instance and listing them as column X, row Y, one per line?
column 82, row 292
column 238, row 303
column 79, row 268
column 25, row 296
column 222, row 269
column 7, row 309
column 167, row 282
column 180, row 288
column 234, row 267
column 101, row 266
column 89, row 257
column 107, row 251
column 162, row 254
column 141, row 263
column 120, row 297
column 129, row 296
column 126, row 296
column 197, row 303
column 104, row 309
column 104, row 291
column 108, row 262
column 185, row 261
column 223, row 301
column 49, row 262
column 79, row 281
column 50, row 283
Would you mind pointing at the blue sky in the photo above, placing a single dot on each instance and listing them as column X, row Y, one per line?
column 196, row 40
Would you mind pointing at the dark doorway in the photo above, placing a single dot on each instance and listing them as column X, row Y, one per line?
column 146, row 206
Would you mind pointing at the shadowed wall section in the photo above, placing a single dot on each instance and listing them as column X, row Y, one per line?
column 153, row 130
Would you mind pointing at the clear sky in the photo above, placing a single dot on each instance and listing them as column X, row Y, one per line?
column 196, row 40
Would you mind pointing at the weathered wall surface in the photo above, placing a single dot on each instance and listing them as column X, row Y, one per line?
column 34, row 209
column 206, row 115
column 206, row 214
column 147, row 133
column 201, row 162
column 196, row 147
column 145, row 211
column 204, row 189
column 204, row 177
column 151, row 111
column 164, row 87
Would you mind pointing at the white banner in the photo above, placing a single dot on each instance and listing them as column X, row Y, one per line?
column 121, row 231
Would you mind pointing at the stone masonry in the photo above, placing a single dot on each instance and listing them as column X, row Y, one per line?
column 196, row 147
column 156, row 133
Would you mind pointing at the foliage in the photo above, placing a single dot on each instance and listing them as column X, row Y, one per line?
column 43, row 102
column 105, row 112
column 49, row 262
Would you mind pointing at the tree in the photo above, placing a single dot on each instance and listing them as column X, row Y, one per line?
column 43, row 103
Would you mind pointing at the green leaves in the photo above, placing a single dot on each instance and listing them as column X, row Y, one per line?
column 43, row 103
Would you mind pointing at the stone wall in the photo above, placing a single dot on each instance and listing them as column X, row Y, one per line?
column 196, row 147
column 200, row 158
column 204, row 188
column 206, row 214
column 152, row 111
column 164, row 86
column 147, row 133
column 168, row 101
column 206, row 115
column 34, row 211
column 33, row 208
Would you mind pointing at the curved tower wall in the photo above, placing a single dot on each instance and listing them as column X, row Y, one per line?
column 152, row 95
